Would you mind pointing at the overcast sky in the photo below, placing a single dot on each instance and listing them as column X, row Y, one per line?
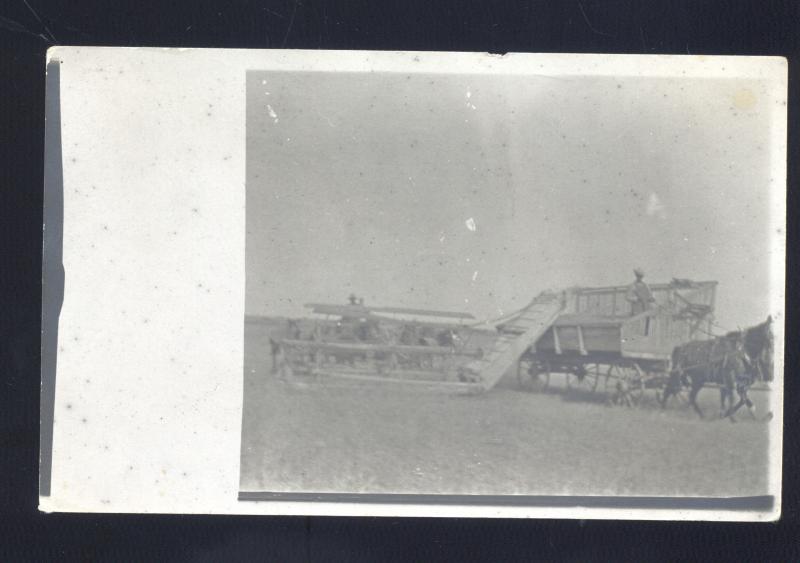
column 475, row 193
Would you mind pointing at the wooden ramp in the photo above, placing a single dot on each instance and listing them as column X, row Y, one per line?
column 522, row 332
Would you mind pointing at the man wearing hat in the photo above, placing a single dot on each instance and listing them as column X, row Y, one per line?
column 639, row 295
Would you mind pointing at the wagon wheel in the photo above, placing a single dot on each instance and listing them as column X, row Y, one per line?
column 628, row 387
column 533, row 374
column 583, row 378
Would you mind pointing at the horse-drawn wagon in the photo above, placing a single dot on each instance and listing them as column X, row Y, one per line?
column 595, row 337
column 666, row 348
column 587, row 334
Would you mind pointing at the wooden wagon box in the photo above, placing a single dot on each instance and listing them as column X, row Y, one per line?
column 598, row 321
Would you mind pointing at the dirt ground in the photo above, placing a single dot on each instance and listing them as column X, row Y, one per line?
column 312, row 437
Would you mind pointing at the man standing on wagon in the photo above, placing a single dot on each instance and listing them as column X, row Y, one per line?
column 639, row 294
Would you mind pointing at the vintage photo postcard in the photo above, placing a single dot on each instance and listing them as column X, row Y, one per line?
column 414, row 284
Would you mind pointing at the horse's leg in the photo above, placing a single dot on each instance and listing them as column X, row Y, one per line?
column 742, row 400
column 693, row 398
column 672, row 387
column 733, row 409
column 751, row 408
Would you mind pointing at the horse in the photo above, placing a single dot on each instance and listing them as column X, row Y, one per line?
column 734, row 361
column 720, row 360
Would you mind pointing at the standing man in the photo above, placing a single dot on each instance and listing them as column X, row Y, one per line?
column 639, row 295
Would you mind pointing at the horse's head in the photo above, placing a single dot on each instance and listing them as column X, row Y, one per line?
column 759, row 345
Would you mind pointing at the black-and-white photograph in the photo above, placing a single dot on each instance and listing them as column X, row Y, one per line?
column 473, row 284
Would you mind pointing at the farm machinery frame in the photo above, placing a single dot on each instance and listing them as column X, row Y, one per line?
column 596, row 339
column 589, row 334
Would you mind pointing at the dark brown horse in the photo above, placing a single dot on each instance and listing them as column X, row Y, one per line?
column 696, row 363
column 733, row 361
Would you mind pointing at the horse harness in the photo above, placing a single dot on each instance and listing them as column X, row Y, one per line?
column 742, row 378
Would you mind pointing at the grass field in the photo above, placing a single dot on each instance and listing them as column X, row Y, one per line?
column 335, row 438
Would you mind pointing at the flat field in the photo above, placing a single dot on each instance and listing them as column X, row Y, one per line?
column 315, row 437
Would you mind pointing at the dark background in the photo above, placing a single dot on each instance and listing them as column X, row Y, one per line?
column 28, row 27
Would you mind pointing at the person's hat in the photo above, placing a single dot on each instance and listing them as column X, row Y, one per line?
column 639, row 272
